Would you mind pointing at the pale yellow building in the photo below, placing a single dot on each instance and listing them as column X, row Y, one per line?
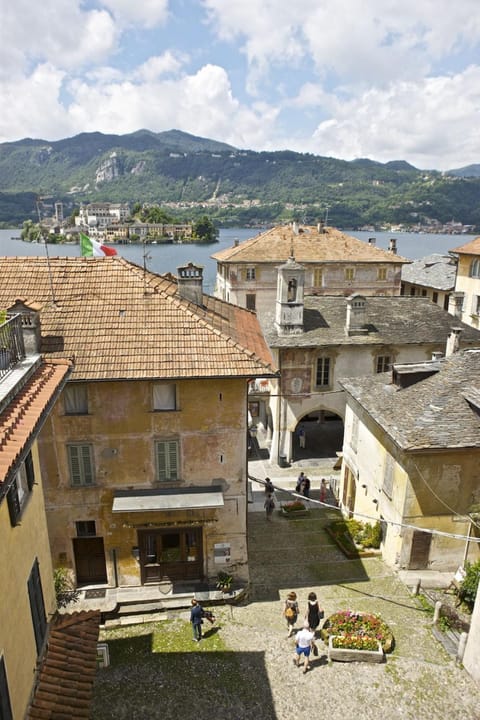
column 465, row 301
column 144, row 454
column 28, row 389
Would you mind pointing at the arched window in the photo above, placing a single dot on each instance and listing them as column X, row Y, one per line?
column 475, row 268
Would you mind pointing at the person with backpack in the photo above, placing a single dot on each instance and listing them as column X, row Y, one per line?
column 290, row 612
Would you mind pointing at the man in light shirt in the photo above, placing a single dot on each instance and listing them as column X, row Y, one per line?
column 303, row 646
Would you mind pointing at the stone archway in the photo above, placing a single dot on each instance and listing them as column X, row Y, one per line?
column 323, row 435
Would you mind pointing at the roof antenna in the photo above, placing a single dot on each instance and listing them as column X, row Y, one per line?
column 326, row 215
column 146, row 256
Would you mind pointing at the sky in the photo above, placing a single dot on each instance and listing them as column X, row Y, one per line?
column 379, row 79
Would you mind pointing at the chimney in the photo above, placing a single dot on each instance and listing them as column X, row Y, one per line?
column 372, row 241
column 190, row 283
column 356, row 315
column 453, row 341
column 392, row 246
column 235, row 242
column 295, row 227
column 321, row 227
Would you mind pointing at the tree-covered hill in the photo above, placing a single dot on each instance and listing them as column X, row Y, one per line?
column 195, row 175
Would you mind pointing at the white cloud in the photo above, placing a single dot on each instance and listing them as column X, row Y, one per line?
column 147, row 13
column 432, row 122
column 155, row 67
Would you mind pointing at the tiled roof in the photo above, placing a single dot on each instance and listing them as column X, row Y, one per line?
column 22, row 416
column 308, row 245
column 397, row 320
column 65, row 683
column 437, row 412
column 435, row 271
column 470, row 248
column 120, row 322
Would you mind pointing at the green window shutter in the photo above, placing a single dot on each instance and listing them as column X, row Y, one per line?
column 87, row 464
column 167, row 460
column 81, row 466
column 173, row 459
column 74, row 457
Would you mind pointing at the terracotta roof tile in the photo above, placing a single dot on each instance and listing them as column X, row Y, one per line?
column 470, row 248
column 21, row 417
column 65, row 681
column 308, row 245
column 119, row 322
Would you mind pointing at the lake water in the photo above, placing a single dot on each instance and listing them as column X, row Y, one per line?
column 166, row 258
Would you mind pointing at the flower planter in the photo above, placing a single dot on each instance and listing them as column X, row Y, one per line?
column 294, row 513
column 347, row 655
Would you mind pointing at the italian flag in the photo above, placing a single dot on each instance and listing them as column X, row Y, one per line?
column 92, row 248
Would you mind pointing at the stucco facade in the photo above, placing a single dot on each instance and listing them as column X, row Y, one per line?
column 209, row 428
column 465, row 301
column 334, row 264
column 405, row 465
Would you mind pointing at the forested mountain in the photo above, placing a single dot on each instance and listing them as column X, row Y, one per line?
column 195, row 175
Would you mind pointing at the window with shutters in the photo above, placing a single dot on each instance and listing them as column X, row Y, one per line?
column 5, row 707
column 318, row 277
column 381, row 273
column 75, row 399
column 349, row 273
column 20, row 489
column 388, row 477
column 37, row 606
column 164, row 396
column 80, row 462
column 167, row 460
column 250, row 273
column 251, row 301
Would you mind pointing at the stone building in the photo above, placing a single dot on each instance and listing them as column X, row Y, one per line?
column 432, row 277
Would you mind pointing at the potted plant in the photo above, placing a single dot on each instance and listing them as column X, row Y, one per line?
column 224, row 581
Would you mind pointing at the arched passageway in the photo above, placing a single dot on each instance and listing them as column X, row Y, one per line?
column 322, row 436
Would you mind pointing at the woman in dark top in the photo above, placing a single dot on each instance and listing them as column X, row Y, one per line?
column 313, row 612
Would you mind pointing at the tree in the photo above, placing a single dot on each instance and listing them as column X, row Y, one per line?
column 204, row 230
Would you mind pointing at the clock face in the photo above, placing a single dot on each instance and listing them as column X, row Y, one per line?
column 296, row 384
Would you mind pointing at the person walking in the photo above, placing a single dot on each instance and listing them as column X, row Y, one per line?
column 302, row 438
column 303, row 646
column 269, row 506
column 290, row 612
column 313, row 614
column 269, row 489
column 305, row 487
column 196, row 615
column 298, row 486
column 323, row 490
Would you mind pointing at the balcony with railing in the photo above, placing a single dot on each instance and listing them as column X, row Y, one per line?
column 12, row 347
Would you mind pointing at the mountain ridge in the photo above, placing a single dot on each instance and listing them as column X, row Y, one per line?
column 194, row 174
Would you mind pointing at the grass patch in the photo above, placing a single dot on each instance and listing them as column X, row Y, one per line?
column 157, row 671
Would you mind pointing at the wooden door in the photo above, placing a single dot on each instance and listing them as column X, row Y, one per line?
column 420, row 550
column 90, row 560
column 171, row 554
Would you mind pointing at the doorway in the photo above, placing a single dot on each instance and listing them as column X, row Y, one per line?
column 170, row 554
column 90, row 563
column 420, row 550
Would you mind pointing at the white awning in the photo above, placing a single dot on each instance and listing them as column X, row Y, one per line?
column 127, row 501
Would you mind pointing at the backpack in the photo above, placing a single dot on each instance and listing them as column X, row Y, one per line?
column 290, row 612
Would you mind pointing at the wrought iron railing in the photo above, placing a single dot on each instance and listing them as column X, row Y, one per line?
column 12, row 348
